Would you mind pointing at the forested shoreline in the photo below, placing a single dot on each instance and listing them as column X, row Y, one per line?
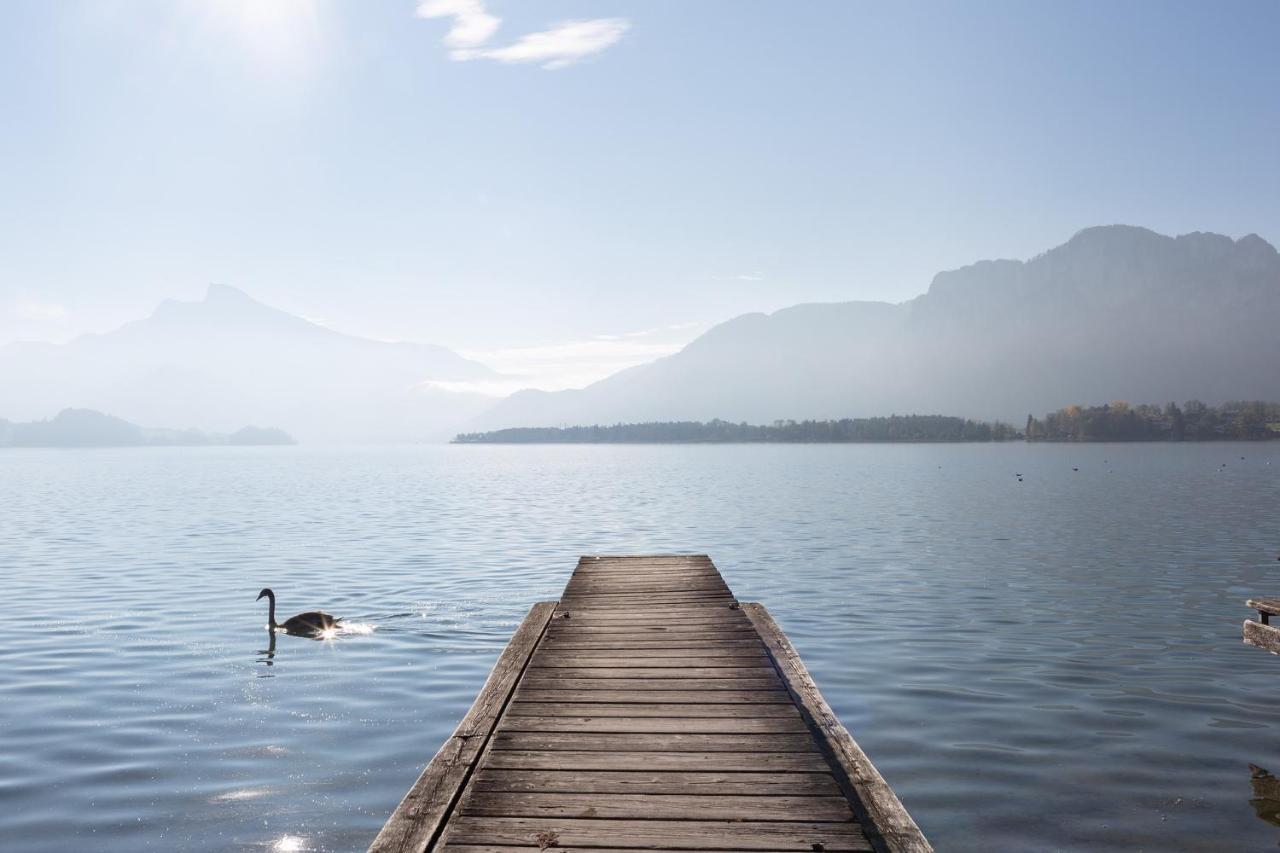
column 894, row 428
column 1118, row 421
column 1193, row 421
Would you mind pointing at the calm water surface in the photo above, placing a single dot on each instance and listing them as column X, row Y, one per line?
column 1051, row 664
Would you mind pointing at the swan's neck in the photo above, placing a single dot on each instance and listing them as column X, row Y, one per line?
column 271, row 611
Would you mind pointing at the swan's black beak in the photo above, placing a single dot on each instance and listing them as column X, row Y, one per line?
column 261, row 595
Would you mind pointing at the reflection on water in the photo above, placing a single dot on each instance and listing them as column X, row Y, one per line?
column 1052, row 664
column 243, row 794
column 268, row 654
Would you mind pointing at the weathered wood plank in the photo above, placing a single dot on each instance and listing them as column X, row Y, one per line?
column 693, row 579
column 654, row 725
column 521, row 708
column 653, row 684
column 684, row 806
column 1263, row 636
column 667, row 742
column 542, row 672
column 707, row 582
column 643, row 685
column 650, row 782
column 634, row 619
column 557, row 660
column 792, row 762
column 649, row 604
column 504, row 848
column 649, row 609
column 684, row 578
column 867, row 788
column 417, row 820
column 688, row 582
column 655, row 598
column 741, row 650
column 674, row 634
column 665, row 648
column 654, row 713
column 547, row 659
column 658, row 834
column 564, row 633
column 1265, row 605
column 691, row 694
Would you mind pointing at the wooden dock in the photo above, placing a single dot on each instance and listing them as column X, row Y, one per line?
column 649, row 710
column 1262, row 633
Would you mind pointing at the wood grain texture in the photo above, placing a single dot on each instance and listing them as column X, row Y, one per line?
column 690, row 694
column 657, row 834
column 665, row 742
column 638, row 660
column 649, row 711
column 1265, row 605
column 524, row 708
column 657, row 782
column 876, row 799
column 653, row 725
column 539, row 681
column 686, row 805
column 531, row 848
column 416, row 822
column 779, row 762
column 658, row 645
column 682, row 653
column 1263, row 636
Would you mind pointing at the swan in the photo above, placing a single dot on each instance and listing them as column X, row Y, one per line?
column 311, row 623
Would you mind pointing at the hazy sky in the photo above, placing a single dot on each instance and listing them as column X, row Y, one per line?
column 482, row 175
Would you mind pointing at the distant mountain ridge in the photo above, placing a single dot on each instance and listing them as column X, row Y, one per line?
column 87, row 428
column 229, row 360
column 1117, row 312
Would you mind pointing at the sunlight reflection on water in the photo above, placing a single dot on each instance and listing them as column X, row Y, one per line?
column 290, row 844
column 1053, row 663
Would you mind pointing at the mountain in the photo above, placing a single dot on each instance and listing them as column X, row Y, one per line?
column 229, row 360
column 1117, row 312
column 87, row 428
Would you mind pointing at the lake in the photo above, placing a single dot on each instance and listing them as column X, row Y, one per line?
column 1039, row 665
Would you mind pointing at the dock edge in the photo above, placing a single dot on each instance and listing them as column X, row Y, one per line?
column 884, row 813
column 422, row 814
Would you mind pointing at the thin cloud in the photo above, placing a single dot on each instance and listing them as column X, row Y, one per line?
column 560, row 46
column 472, row 23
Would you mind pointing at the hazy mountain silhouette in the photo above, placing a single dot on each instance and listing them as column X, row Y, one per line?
column 229, row 360
column 87, row 428
column 1117, row 312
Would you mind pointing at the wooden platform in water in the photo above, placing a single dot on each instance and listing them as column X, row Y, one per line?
column 649, row 710
column 1262, row 633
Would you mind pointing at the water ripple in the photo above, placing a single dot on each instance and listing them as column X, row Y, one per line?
column 1048, row 665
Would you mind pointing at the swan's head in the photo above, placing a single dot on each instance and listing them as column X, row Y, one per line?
column 266, row 593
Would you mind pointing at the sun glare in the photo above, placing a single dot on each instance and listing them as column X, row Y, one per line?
column 289, row 844
column 284, row 35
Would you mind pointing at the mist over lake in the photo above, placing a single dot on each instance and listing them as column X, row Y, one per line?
column 1054, row 663
column 493, row 426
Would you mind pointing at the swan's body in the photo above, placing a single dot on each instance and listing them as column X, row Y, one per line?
column 309, row 624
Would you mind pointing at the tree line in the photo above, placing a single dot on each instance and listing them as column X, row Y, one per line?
column 1118, row 421
column 882, row 429
column 1194, row 421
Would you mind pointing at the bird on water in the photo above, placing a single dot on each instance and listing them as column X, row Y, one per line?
column 309, row 624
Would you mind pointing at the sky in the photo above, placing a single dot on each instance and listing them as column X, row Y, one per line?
column 585, row 184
